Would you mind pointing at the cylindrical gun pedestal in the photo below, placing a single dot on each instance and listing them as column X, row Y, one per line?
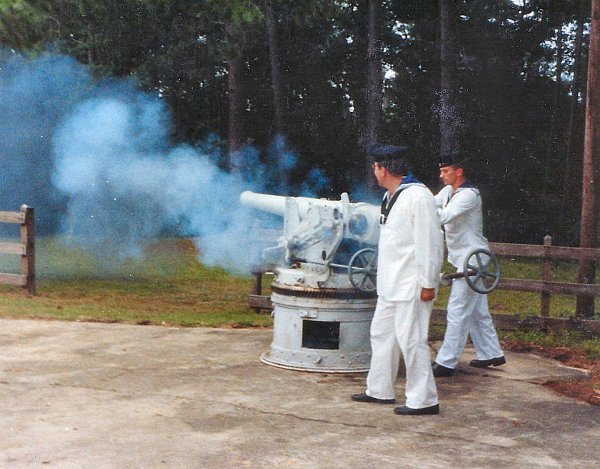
column 324, row 330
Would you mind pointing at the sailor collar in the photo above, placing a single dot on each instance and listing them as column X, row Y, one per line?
column 387, row 203
column 467, row 184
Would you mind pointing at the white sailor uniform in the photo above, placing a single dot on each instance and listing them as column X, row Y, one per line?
column 409, row 259
column 468, row 313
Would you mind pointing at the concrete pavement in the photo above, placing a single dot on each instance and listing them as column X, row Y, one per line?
column 89, row 395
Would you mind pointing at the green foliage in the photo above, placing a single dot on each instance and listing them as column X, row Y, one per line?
column 512, row 112
column 21, row 24
column 238, row 12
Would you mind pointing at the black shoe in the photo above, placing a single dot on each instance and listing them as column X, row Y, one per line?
column 439, row 370
column 403, row 410
column 485, row 363
column 364, row 397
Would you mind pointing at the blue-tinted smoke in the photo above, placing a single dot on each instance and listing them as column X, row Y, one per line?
column 124, row 183
column 34, row 97
column 95, row 160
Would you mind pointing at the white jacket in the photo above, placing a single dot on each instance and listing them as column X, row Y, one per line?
column 410, row 245
column 460, row 214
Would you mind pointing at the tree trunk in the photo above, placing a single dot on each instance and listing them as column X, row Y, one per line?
column 374, row 77
column 449, row 122
column 276, row 82
column 552, row 139
column 234, row 96
column 574, row 107
column 591, row 165
column 374, row 82
column 234, row 67
column 279, row 131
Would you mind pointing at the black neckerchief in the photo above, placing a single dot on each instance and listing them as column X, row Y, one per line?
column 387, row 208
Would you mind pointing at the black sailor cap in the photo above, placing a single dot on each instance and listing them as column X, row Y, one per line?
column 385, row 151
column 452, row 158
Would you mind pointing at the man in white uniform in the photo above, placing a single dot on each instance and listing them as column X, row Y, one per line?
column 459, row 208
column 409, row 263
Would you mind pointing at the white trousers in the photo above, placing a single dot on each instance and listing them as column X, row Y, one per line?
column 468, row 313
column 401, row 327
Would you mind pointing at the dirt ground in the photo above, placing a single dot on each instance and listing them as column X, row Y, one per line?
column 587, row 391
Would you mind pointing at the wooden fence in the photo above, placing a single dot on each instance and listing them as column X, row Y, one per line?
column 546, row 252
column 25, row 249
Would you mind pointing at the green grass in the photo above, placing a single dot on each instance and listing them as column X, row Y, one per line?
column 166, row 286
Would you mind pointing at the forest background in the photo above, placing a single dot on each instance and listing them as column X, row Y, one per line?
column 306, row 85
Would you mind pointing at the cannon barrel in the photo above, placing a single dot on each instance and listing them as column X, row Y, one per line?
column 361, row 219
column 274, row 204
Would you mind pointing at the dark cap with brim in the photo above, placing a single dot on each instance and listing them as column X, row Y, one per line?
column 451, row 159
column 387, row 152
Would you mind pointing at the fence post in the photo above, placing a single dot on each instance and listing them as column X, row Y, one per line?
column 256, row 288
column 546, row 275
column 28, row 239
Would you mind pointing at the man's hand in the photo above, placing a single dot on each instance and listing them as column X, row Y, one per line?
column 427, row 294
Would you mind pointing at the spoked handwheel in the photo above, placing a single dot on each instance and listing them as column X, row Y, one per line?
column 362, row 270
column 482, row 271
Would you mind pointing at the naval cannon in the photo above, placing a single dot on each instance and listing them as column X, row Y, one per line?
column 324, row 291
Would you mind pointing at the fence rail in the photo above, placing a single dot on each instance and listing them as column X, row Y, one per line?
column 546, row 252
column 25, row 249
